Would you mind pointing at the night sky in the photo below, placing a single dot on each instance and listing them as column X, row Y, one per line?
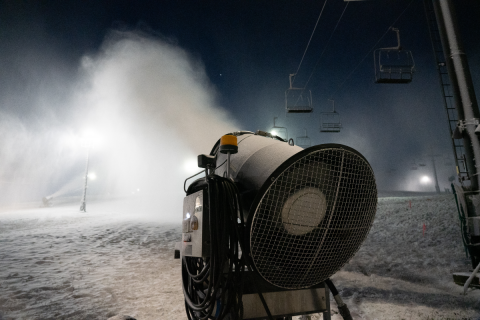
column 248, row 49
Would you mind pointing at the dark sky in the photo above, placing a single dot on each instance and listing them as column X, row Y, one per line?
column 249, row 48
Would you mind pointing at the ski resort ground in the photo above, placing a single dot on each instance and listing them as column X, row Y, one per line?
column 59, row 263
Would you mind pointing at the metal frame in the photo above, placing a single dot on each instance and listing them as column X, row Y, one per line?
column 282, row 303
column 304, row 141
column 83, row 203
column 393, row 73
column 298, row 94
column 330, row 121
column 279, row 129
column 448, row 91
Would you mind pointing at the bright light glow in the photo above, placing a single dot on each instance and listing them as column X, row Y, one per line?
column 188, row 215
column 92, row 176
column 90, row 138
column 425, row 180
column 86, row 139
column 191, row 166
column 274, row 132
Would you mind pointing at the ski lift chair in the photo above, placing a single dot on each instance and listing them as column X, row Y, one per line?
column 298, row 100
column 281, row 132
column 330, row 121
column 413, row 166
column 304, row 141
column 422, row 163
column 393, row 65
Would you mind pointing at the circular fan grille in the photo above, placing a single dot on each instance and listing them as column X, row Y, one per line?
column 313, row 218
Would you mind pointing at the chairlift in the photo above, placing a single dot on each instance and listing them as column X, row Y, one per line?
column 279, row 131
column 422, row 163
column 304, row 141
column 297, row 100
column 413, row 166
column 330, row 121
column 393, row 65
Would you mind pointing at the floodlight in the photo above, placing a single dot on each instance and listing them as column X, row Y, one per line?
column 425, row 179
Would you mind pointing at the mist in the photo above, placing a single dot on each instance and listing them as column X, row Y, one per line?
column 147, row 108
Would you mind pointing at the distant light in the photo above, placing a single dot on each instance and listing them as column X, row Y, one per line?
column 90, row 138
column 188, row 215
column 138, row 190
column 92, row 176
column 191, row 166
column 87, row 137
column 425, row 180
column 274, row 132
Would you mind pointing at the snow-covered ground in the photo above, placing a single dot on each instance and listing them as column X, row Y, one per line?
column 399, row 273
column 58, row 263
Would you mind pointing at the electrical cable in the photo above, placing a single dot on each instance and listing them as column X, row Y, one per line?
column 213, row 287
column 308, row 44
column 247, row 261
column 369, row 52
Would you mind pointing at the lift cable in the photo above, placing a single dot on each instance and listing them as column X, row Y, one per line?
column 373, row 48
column 326, row 45
column 324, row 49
column 308, row 44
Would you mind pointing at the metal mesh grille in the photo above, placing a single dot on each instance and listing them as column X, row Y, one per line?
column 313, row 218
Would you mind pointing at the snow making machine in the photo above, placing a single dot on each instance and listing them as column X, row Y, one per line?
column 269, row 224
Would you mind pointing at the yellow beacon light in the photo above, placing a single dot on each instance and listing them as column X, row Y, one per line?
column 228, row 144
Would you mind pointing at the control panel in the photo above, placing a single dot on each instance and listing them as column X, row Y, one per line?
column 195, row 225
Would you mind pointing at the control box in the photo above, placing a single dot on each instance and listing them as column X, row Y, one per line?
column 195, row 225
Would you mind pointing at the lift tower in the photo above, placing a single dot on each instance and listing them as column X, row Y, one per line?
column 468, row 116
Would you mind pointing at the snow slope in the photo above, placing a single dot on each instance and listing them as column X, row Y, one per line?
column 399, row 273
column 58, row 263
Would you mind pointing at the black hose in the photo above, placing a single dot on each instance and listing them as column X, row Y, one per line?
column 342, row 307
column 213, row 286
column 332, row 287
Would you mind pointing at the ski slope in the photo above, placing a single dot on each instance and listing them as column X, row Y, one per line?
column 59, row 263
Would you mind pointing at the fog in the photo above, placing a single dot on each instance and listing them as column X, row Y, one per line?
column 147, row 109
